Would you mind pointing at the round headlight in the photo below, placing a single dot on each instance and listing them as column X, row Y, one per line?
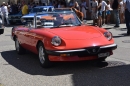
column 56, row 41
column 108, row 35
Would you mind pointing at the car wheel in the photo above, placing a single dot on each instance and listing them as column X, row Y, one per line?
column 102, row 59
column 19, row 48
column 43, row 57
column 1, row 31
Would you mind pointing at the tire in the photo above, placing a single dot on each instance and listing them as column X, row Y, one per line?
column 43, row 57
column 18, row 47
column 1, row 31
column 102, row 59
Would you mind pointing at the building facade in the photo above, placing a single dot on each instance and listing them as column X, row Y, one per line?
column 3, row 1
column 42, row 1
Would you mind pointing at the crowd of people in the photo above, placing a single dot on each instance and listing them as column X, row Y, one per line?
column 100, row 10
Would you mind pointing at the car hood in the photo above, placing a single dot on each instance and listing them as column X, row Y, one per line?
column 77, row 32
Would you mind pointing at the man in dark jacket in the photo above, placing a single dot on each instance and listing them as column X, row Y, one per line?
column 115, row 7
column 127, row 15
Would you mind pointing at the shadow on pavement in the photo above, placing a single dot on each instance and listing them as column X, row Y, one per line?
column 117, row 36
column 111, row 73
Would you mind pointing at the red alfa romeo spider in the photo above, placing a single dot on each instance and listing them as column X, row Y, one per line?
column 61, row 36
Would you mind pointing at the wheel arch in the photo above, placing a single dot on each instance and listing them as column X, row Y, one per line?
column 39, row 41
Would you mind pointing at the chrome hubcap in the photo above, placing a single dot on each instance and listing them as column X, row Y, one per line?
column 17, row 45
column 41, row 54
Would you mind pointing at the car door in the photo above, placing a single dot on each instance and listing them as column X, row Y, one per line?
column 29, row 37
column 20, row 33
column 32, row 40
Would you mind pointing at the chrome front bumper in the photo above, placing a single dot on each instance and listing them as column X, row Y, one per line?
column 88, row 51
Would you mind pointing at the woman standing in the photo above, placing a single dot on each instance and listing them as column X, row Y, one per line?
column 84, row 8
column 108, row 12
column 99, row 23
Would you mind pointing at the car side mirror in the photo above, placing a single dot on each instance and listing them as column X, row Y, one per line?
column 84, row 22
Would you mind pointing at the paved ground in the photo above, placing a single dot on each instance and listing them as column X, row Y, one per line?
column 25, row 70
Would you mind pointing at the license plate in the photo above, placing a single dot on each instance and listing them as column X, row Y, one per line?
column 103, row 54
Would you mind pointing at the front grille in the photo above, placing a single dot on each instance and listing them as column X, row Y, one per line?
column 93, row 50
column 15, row 17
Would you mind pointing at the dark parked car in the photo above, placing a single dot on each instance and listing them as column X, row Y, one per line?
column 16, row 18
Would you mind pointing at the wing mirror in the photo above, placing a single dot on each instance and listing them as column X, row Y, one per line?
column 84, row 22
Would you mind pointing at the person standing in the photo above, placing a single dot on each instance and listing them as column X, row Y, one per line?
column 127, row 15
column 95, row 11
column 108, row 12
column 99, row 21
column 84, row 9
column 103, row 9
column 115, row 7
column 24, row 8
column 121, row 11
column 5, row 13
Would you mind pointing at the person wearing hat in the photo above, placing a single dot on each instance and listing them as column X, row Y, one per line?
column 5, row 13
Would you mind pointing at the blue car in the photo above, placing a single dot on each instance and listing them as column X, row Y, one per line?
column 37, row 9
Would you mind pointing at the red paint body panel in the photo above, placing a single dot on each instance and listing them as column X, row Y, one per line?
column 73, row 58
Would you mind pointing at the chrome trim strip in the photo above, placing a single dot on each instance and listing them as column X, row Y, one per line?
column 78, row 50
column 65, row 51
column 109, row 46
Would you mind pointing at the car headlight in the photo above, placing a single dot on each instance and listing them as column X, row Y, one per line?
column 108, row 35
column 56, row 41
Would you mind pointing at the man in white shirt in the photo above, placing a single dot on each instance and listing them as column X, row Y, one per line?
column 5, row 13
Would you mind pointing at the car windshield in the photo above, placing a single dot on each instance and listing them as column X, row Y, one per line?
column 58, row 19
column 40, row 9
column 61, row 10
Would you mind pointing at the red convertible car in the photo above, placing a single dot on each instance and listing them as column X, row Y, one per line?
column 61, row 36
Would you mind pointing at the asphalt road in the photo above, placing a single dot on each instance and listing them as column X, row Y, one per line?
column 24, row 70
